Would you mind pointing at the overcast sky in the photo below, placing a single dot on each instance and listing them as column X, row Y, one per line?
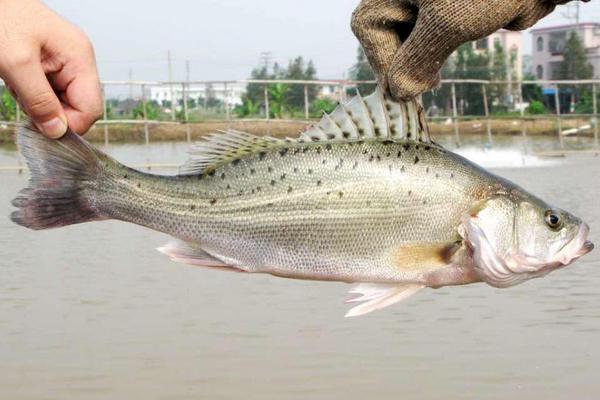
column 223, row 39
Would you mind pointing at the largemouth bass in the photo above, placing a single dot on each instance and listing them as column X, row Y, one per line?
column 363, row 197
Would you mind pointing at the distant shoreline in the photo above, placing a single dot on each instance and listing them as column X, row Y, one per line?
column 129, row 133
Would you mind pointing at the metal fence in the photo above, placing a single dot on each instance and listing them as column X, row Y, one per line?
column 454, row 102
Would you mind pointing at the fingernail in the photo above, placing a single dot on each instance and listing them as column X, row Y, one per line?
column 55, row 128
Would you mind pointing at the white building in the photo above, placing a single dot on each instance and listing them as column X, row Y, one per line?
column 549, row 44
column 512, row 43
column 230, row 94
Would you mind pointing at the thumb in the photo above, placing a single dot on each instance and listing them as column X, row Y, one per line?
column 38, row 99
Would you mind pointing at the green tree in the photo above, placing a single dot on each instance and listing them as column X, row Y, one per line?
column 470, row 65
column 8, row 107
column 499, row 72
column 575, row 65
column 299, row 70
column 278, row 95
column 362, row 71
column 532, row 92
column 152, row 110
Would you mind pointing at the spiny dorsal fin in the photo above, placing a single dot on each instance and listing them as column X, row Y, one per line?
column 375, row 117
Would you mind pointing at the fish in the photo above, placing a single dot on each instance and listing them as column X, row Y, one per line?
column 365, row 196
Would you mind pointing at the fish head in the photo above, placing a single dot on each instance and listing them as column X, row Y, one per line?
column 517, row 238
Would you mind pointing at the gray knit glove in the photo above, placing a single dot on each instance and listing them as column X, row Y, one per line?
column 408, row 41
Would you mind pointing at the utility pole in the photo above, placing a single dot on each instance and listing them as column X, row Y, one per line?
column 173, row 103
column 265, row 59
column 130, row 83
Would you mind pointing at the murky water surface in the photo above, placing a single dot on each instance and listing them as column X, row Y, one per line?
column 94, row 312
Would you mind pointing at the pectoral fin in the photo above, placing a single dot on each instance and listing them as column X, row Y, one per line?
column 377, row 296
column 425, row 257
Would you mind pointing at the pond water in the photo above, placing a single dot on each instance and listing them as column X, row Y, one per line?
column 94, row 312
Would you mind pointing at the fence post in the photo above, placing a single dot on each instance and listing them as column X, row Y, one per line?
column 487, row 113
column 523, row 121
column 455, row 115
column 595, row 111
column 306, row 116
column 105, row 115
column 267, row 111
column 185, row 88
column 226, row 102
column 145, row 110
column 558, row 120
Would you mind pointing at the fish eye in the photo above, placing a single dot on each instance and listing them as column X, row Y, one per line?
column 553, row 219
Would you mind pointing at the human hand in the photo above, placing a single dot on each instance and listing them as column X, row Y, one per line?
column 408, row 41
column 50, row 68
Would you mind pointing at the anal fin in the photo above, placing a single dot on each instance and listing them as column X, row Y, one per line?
column 376, row 296
column 192, row 254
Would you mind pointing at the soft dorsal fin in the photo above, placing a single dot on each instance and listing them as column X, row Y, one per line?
column 221, row 148
column 375, row 117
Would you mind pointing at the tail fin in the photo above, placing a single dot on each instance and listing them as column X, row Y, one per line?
column 60, row 171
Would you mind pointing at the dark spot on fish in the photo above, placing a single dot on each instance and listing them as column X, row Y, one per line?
column 330, row 136
column 223, row 175
column 228, row 187
column 139, row 185
column 378, row 157
column 192, row 207
column 406, row 146
column 355, row 165
column 272, row 182
column 125, row 176
column 427, row 148
column 402, row 168
column 262, row 155
column 427, row 170
column 236, row 161
column 360, row 141
column 417, row 147
column 388, row 107
column 252, row 171
column 213, row 202
column 289, row 190
column 315, row 138
column 324, row 161
column 377, row 131
column 341, row 194
column 388, row 154
column 319, row 183
column 451, row 175
column 371, row 158
column 319, row 149
column 295, row 169
column 283, row 152
column 270, row 169
column 361, row 131
column 240, row 193
column 258, row 188
column 310, row 171
column 328, row 146
column 346, row 134
column 296, row 151
column 393, row 127
column 200, row 177
column 409, row 192
column 365, row 151
column 252, row 191
column 282, row 177
column 304, row 149
column 399, row 154
column 270, row 204
column 416, row 159
column 424, row 202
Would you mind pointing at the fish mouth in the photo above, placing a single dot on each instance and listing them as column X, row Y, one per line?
column 578, row 247
column 586, row 248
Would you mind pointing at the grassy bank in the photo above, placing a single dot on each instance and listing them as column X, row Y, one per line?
column 178, row 132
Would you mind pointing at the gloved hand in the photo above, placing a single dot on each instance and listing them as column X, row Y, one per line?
column 408, row 41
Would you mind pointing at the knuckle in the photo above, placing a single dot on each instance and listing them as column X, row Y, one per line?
column 20, row 59
column 41, row 103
